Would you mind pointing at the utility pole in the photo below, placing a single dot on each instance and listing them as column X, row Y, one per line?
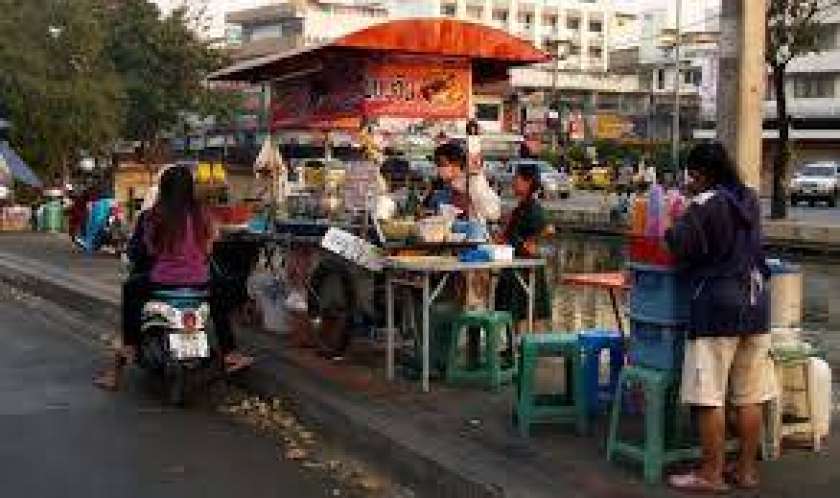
column 675, row 127
column 741, row 85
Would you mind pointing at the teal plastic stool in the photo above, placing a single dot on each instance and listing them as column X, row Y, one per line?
column 493, row 370
column 660, row 389
column 570, row 407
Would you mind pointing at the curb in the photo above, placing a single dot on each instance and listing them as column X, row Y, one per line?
column 341, row 420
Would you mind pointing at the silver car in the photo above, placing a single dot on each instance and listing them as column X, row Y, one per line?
column 816, row 182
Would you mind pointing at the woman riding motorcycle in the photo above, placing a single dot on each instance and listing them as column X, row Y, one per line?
column 170, row 247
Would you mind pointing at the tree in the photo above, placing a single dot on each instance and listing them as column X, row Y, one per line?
column 61, row 93
column 793, row 29
column 164, row 65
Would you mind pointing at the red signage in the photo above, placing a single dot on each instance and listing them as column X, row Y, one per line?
column 347, row 91
column 416, row 89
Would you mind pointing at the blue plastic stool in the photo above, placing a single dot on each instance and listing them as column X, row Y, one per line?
column 592, row 343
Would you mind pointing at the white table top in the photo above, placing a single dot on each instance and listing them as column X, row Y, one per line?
column 436, row 264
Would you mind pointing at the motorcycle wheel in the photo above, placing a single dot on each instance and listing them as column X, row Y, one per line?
column 175, row 384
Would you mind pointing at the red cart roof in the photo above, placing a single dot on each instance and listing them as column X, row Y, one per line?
column 490, row 49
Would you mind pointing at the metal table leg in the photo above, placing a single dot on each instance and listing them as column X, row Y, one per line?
column 389, row 293
column 531, row 292
column 426, row 312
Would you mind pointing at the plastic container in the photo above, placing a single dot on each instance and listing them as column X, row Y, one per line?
column 658, row 345
column 659, row 293
column 498, row 252
column 649, row 250
column 639, row 216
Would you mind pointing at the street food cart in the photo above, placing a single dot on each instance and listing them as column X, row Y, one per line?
column 399, row 79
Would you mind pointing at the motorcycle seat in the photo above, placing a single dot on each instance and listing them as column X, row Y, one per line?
column 181, row 293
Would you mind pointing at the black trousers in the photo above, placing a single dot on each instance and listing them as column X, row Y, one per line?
column 137, row 290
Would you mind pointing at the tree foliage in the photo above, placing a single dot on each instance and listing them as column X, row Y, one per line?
column 163, row 64
column 59, row 89
column 77, row 75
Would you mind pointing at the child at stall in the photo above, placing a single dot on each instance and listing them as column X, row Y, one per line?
column 527, row 223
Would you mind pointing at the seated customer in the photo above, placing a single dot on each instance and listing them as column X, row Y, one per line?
column 526, row 224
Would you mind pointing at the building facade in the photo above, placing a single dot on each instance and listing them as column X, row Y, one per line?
column 286, row 25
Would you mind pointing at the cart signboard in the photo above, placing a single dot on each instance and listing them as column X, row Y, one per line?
column 352, row 248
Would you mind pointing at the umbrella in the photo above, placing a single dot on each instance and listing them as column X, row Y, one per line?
column 19, row 170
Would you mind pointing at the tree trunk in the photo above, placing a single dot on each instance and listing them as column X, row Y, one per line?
column 778, row 209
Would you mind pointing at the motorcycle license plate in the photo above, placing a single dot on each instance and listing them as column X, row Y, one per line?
column 189, row 346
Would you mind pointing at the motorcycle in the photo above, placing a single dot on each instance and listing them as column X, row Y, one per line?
column 178, row 341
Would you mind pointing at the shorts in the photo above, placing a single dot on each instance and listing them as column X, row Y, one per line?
column 738, row 366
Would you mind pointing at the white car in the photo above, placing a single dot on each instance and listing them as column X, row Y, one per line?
column 816, row 182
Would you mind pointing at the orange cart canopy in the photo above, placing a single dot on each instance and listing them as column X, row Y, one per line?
column 490, row 51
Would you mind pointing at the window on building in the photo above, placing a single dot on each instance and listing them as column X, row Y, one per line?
column 660, row 79
column 475, row 12
column 693, row 77
column 488, row 112
column 448, row 10
column 827, row 37
column 596, row 26
column 551, row 21
column 573, row 23
column 814, row 86
column 596, row 52
column 574, row 50
column 500, row 15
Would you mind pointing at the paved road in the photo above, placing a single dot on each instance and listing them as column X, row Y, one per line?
column 61, row 437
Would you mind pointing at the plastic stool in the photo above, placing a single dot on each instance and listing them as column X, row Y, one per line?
column 491, row 371
column 659, row 387
column 531, row 408
column 592, row 344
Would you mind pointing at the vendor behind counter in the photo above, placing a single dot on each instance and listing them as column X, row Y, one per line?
column 482, row 202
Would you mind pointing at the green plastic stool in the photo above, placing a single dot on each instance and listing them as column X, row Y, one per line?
column 491, row 372
column 660, row 388
column 570, row 407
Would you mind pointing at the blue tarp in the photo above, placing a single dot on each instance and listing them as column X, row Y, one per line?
column 20, row 171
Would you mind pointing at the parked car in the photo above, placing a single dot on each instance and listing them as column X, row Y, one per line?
column 555, row 184
column 816, row 182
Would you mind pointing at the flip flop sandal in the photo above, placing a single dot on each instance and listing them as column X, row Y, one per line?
column 238, row 365
column 692, row 483
column 109, row 381
column 730, row 474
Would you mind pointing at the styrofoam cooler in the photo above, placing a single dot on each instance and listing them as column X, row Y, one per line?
column 785, row 294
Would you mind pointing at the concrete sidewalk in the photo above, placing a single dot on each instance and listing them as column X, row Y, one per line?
column 449, row 443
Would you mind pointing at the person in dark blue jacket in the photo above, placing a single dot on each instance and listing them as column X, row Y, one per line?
column 718, row 242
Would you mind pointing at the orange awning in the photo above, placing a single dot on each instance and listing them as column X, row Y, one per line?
column 490, row 50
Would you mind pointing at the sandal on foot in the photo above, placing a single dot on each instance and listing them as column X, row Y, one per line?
column 734, row 477
column 693, row 483
column 108, row 380
column 234, row 362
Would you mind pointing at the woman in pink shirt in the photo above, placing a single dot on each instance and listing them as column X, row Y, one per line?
column 177, row 235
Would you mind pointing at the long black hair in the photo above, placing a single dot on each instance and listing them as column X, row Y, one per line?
column 175, row 205
column 453, row 152
column 531, row 173
column 712, row 160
